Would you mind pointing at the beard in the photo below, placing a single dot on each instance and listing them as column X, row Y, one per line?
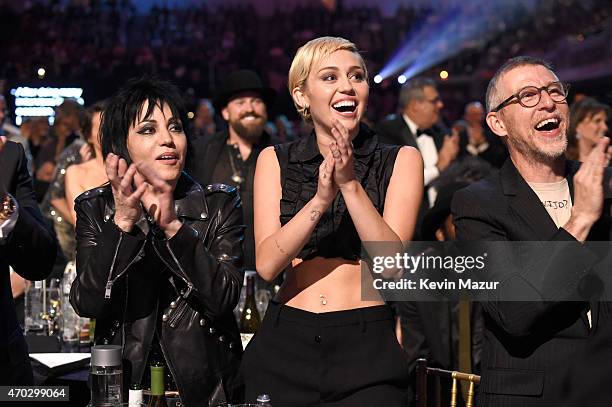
column 252, row 131
column 537, row 153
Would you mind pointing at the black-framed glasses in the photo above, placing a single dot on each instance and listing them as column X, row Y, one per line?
column 530, row 96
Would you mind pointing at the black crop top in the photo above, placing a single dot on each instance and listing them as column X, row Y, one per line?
column 335, row 234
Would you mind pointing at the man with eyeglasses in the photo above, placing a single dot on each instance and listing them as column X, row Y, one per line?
column 540, row 322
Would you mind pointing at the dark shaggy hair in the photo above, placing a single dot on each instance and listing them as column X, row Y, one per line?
column 125, row 107
column 86, row 121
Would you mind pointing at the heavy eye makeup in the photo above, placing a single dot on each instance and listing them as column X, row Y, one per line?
column 150, row 127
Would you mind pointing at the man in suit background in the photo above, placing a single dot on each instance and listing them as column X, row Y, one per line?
column 25, row 245
column 531, row 347
column 420, row 104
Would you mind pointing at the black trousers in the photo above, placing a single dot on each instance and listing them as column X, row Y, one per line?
column 344, row 358
column 15, row 367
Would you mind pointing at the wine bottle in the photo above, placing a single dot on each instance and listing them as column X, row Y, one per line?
column 135, row 395
column 158, row 397
column 249, row 320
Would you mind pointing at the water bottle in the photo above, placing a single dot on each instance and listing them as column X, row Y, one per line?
column 70, row 319
column 106, row 376
column 34, row 297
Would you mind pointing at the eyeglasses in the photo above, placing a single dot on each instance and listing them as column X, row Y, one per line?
column 530, row 96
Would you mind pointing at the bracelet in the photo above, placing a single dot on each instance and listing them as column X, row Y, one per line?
column 6, row 208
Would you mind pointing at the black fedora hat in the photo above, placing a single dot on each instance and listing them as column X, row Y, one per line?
column 240, row 81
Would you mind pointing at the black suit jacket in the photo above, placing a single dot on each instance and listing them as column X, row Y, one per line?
column 395, row 131
column 531, row 349
column 30, row 248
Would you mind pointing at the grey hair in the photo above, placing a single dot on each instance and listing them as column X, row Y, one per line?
column 493, row 97
column 414, row 90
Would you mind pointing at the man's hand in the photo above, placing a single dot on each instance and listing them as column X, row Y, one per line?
column 449, row 150
column 588, row 191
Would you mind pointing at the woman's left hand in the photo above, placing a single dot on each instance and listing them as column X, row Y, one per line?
column 342, row 151
column 158, row 199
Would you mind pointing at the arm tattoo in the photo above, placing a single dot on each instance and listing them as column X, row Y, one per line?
column 279, row 248
column 314, row 215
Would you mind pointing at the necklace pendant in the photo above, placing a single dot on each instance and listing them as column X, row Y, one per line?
column 237, row 179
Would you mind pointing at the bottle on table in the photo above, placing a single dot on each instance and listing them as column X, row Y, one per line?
column 106, row 375
column 34, row 297
column 249, row 319
column 158, row 396
column 135, row 395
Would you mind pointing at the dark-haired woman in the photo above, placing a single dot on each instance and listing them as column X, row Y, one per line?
column 91, row 173
column 158, row 262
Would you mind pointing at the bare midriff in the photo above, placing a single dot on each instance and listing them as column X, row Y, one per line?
column 325, row 285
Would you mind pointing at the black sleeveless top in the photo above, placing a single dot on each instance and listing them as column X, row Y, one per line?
column 335, row 234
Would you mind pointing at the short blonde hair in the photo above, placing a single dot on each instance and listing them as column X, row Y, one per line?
column 310, row 54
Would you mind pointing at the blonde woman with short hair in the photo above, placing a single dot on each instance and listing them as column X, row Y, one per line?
column 316, row 199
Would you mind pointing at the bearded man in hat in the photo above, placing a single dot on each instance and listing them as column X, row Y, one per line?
column 229, row 156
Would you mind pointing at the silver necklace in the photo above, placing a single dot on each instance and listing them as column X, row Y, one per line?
column 236, row 177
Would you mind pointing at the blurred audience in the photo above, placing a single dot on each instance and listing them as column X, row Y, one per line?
column 476, row 139
column 204, row 121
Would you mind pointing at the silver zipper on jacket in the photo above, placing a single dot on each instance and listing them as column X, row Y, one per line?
column 110, row 282
column 185, row 280
column 179, row 312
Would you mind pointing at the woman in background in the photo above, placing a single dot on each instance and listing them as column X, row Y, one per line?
column 588, row 124
column 91, row 173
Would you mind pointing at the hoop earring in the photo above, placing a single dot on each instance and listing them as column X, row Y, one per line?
column 306, row 110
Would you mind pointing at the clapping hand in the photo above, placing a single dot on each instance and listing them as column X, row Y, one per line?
column 342, row 152
column 326, row 187
column 588, row 183
column 127, row 198
column 157, row 199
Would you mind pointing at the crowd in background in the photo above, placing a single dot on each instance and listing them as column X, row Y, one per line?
column 94, row 43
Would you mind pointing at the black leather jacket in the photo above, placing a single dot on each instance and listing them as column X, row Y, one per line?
column 183, row 289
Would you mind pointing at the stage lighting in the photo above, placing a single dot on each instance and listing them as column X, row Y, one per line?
column 41, row 72
column 190, row 115
column 443, row 75
column 377, row 79
column 401, row 79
